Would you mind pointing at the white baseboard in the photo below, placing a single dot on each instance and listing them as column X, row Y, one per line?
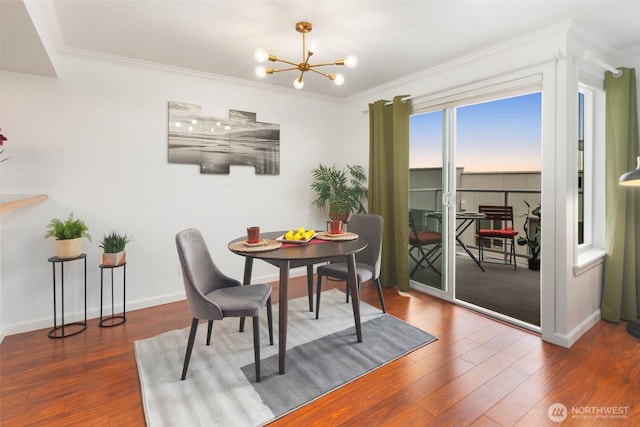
column 567, row 340
column 94, row 313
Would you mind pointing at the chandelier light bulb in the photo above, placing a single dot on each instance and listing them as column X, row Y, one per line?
column 314, row 46
column 298, row 83
column 351, row 61
column 260, row 55
column 261, row 71
column 339, row 79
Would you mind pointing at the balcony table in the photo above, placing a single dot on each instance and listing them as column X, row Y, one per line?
column 465, row 219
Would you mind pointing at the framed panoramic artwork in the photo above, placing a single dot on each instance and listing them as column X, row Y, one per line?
column 217, row 143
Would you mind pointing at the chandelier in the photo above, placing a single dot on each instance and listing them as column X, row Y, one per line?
column 303, row 28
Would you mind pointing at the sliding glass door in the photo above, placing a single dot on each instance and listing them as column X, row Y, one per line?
column 426, row 186
column 462, row 158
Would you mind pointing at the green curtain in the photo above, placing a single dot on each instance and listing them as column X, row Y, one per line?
column 621, row 295
column 389, row 185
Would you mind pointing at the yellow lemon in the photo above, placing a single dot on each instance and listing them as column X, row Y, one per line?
column 289, row 235
column 311, row 232
column 300, row 230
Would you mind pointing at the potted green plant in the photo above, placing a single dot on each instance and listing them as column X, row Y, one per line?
column 113, row 246
column 341, row 190
column 68, row 235
column 532, row 236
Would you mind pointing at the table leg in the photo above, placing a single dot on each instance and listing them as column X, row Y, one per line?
column 248, row 268
column 461, row 229
column 352, row 282
column 283, row 309
column 246, row 280
column 310, row 285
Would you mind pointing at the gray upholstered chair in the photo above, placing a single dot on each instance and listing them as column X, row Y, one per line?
column 368, row 261
column 213, row 296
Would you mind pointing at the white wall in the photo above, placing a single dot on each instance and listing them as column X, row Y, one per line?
column 95, row 141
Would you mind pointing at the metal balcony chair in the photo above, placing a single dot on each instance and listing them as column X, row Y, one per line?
column 426, row 243
column 501, row 220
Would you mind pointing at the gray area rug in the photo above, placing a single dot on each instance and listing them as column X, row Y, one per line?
column 220, row 388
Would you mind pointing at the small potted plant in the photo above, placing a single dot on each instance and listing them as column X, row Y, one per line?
column 113, row 245
column 68, row 235
column 341, row 190
column 531, row 237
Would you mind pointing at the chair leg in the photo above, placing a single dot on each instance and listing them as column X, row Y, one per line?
column 513, row 254
column 256, row 345
column 270, row 320
column 187, row 356
column 241, row 328
column 318, row 290
column 379, row 289
column 209, row 329
column 346, row 291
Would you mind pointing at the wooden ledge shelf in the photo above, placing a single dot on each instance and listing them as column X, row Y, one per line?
column 12, row 201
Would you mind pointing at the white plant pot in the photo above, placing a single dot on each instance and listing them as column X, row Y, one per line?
column 70, row 248
column 114, row 259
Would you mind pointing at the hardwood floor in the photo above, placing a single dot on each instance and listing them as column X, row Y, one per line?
column 479, row 372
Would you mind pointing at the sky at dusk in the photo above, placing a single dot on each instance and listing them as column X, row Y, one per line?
column 502, row 135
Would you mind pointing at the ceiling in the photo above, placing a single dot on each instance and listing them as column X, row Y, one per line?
column 392, row 39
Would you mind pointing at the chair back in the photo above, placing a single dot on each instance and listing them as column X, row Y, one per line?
column 371, row 228
column 420, row 235
column 417, row 220
column 503, row 214
column 200, row 274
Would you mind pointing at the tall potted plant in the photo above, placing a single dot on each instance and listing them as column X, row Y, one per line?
column 532, row 236
column 113, row 245
column 68, row 235
column 341, row 190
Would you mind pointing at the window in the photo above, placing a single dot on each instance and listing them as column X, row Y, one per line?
column 585, row 165
column 590, row 236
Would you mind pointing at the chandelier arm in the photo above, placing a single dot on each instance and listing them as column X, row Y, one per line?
column 327, row 63
column 327, row 75
column 286, row 69
column 287, row 62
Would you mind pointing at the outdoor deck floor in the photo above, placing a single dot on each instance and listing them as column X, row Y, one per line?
column 500, row 288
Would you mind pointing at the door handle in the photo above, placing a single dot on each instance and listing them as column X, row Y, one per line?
column 448, row 199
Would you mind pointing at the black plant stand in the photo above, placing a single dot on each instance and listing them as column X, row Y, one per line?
column 58, row 331
column 113, row 319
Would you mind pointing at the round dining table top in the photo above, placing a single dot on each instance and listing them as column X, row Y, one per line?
column 304, row 251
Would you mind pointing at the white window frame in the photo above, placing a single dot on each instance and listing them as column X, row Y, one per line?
column 591, row 251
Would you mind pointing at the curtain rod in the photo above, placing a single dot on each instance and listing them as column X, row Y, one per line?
column 589, row 56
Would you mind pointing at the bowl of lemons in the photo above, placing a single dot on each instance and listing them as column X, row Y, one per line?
column 299, row 235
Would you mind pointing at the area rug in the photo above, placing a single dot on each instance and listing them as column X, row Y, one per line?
column 220, row 388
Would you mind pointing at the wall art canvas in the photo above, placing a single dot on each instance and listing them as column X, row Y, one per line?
column 217, row 143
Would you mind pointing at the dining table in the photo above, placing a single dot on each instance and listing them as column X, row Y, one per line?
column 287, row 255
